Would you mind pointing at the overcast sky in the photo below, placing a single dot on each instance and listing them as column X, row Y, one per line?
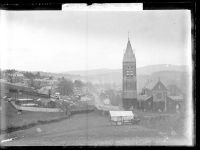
column 56, row 41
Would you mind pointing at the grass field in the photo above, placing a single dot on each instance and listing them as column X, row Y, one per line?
column 167, row 122
column 95, row 129
column 11, row 118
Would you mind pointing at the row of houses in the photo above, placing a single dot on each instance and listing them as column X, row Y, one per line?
column 18, row 77
column 155, row 97
column 19, row 91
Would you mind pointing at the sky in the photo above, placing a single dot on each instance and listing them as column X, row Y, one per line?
column 60, row 41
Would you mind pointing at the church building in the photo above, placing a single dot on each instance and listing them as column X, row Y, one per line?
column 129, row 93
column 155, row 97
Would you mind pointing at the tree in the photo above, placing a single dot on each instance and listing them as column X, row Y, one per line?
column 51, row 78
column 78, row 83
column 34, row 84
column 65, row 87
column 38, row 75
column 10, row 74
column 1, row 74
column 90, row 86
column 29, row 75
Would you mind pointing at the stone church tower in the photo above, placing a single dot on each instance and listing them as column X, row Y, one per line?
column 129, row 93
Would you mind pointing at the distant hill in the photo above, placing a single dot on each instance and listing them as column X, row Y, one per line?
column 93, row 72
column 168, row 73
column 146, row 70
column 162, row 67
column 60, row 75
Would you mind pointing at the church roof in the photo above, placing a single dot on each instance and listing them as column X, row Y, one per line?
column 159, row 85
column 128, row 55
column 176, row 98
column 154, row 83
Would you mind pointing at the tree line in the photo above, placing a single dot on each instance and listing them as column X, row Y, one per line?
column 66, row 86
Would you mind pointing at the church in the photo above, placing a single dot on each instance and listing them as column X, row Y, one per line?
column 129, row 89
column 155, row 95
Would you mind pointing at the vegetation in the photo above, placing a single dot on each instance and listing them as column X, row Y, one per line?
column 34, row 84
column 27, row 120
column 65, row 87
column 90, row 86
column 31, row 75
column 10, row 73
column 78, row 83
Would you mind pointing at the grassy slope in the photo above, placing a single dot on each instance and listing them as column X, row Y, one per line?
column 89, row 129
column 164, row 122
column 13, row 119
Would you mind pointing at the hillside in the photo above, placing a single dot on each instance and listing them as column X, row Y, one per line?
column 170, row 74
column 146, row 70
column 162, row 67
column 167, row 73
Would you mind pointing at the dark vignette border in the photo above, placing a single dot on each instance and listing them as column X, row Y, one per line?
column 147, row 5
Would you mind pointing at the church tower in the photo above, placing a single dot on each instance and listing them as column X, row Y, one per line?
column 129, row 78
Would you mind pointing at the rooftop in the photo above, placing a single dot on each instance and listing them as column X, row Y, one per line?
column 121, row 113
column 150, row 84
column 176, row 98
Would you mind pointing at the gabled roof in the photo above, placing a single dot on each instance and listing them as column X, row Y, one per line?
column 153, row 84
column 129, row 56
column 150, row 84
column 159, row 86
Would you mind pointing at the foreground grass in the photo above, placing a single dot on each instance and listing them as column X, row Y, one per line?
column 14, row 121
column 164, row 122
column 92, row 129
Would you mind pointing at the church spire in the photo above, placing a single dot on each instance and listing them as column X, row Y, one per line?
column 129, row 55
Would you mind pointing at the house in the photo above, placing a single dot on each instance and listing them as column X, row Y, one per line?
column 17, row 77
column 42, row 82
column 17, row 91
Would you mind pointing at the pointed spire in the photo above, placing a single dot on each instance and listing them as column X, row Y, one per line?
column 129, row 55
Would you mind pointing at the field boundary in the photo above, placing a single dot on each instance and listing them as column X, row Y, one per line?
column 41, row 122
